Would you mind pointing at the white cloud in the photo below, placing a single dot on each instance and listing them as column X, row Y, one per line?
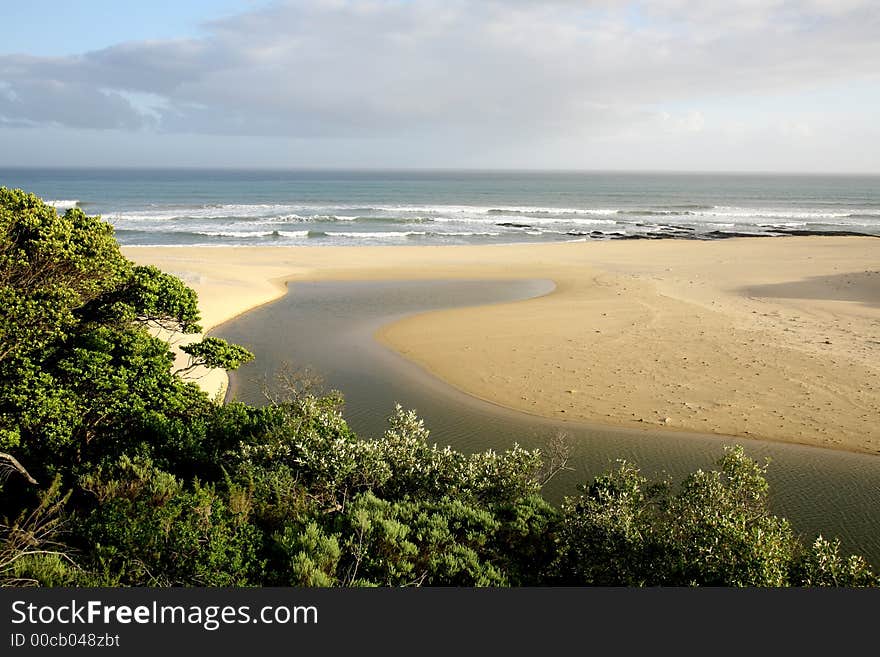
column 454, row 71
column 797, row 129
column 692, row 121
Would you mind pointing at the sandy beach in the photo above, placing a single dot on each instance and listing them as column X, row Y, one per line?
column 773, row 338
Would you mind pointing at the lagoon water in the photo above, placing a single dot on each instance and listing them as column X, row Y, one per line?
column 328, row 327
column 333, row 208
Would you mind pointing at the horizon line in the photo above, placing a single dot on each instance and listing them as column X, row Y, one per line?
column 778, row 172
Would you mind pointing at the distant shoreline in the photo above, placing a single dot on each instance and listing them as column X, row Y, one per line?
column 770, row 339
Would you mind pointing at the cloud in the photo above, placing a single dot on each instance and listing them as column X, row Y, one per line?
column 454, row 70
column 57, row 102
column 693, row 121
column 797, row 129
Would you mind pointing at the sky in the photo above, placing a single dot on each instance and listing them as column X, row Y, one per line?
column 683, row 85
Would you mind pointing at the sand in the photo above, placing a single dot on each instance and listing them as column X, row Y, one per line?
column 772, row 338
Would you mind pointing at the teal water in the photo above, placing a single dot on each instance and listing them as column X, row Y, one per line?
column 315, row 208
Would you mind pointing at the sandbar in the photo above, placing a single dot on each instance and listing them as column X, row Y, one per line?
column 770, row 338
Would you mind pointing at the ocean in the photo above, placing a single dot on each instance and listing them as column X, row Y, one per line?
column 334, row 208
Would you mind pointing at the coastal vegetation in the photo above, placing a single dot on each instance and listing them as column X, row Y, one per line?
column 118, row 471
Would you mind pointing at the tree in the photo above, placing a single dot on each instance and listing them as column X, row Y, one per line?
column 81, row 376
column 215, row 353
column 715, row 530
column 822, row 564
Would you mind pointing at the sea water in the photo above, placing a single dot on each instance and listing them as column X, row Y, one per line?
column 334, row 208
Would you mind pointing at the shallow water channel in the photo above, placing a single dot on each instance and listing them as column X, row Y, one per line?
column 328, row 327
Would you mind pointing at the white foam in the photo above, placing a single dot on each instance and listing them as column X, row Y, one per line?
column 213, row 211
column 806, row 214
column 580, row 220
column 233, row 233
column 245, row 222
column 377, row 235
column 339, row 212
column 467, row 234
column 250, row 234
column 350, row 212
column 63, row 204
column 784, row 224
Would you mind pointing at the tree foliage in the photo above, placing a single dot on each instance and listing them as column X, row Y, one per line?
column 215, row 353
column 81, row 374
column 714, row 530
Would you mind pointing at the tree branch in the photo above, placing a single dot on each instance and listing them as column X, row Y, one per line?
column 13, row 463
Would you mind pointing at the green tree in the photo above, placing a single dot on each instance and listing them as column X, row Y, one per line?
column 81, row 374
column 822, row 564
column 149, row 529
column 715, row 530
